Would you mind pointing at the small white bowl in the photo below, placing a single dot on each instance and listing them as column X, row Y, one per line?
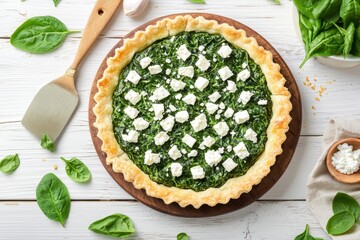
column 333, row 61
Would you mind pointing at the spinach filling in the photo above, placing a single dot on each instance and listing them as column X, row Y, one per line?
column 164, row 49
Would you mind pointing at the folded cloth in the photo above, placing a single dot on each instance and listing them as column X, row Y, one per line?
column 321, row 187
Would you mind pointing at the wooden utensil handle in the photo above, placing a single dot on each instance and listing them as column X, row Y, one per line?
column 99, row 18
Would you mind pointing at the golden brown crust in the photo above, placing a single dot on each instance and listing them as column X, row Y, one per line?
column 234, row 187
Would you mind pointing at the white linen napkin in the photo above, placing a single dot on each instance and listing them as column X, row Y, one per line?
column 321, row 187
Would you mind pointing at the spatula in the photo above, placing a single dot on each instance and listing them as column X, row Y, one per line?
column 54, row 104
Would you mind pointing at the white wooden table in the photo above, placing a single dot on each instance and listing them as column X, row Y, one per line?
column 281, row 214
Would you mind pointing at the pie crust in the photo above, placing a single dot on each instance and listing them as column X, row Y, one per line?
column 234, row 187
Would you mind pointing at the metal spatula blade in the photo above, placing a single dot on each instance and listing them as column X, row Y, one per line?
column 51, row 108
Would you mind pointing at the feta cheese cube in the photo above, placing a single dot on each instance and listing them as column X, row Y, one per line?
column 231, row 87
column 192, row 153
column 155, row 69
column 221, row 128
column 189, row 140
column 199, row 123
column 168, row 123
column 133, row 97
column 131, row 112
column 177, row 85
column 172, row 108
column 168, row 71
column 151, row 158
column 243, row 75
column 158, row 111
column 241, row 116
column 212, row 158
column 222, row 105
column 262, row 102
column 245, row 97
column 183, row 52
column 225, row 51
column 167, row 60
column 244, row 65
column 176, row 169
column 229, row 164
column 229, row 113
column 160, row 94
column 174, row 152
column 132, row 136
column 215, row 96
column 225, row 73
column 197, row 172
column 241, row 151
column 133, row 77
column 201, row 48
column 201, row 83
column 203, row 64
column 145, row 62
column 182, row 116
column 251, row 135
column 189, row 99
column 178, row 96
column 140, row 124
column 211, row 107
column 186, row 71
column 161, row 138
column 208, row 141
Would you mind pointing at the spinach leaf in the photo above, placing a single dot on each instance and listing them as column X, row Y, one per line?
column 306, row 7
column 77, row 170
column 40, row 35
column 306, row 235
column 10, row 163
column 328, row 10
column 350, row 12
column 197, row 1
column 344, row 202
column 340, row 223
column 116, row 225
column 327, row 43
column 348, row 35
column 47, row 143
column 182, row 236
column 53, row 198
column 356, row 43
column 56, row 2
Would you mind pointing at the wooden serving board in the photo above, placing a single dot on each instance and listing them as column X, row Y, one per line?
column 277, row 170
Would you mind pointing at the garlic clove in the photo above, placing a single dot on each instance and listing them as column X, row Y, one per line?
column 133, row 8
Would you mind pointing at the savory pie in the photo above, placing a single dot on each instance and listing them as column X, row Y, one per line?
column 192, row 111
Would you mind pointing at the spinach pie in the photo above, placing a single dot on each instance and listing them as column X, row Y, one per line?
column 192, row 111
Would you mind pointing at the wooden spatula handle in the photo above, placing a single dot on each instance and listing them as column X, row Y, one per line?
column 99, row 18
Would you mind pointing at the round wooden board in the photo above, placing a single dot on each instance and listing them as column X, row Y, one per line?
column 245, row 199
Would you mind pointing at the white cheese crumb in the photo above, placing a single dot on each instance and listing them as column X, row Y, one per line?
column 225, row 73
column 229, row 165
column 201, row 83
column 168, row 71
column 178, row 96
column 222, row 105
column 229, row 148
column 172, row 108
column 151, row 158
column 243, row 75
column 186, row 71
column 140, row 124
column 133, row 77
column 167, row 60
column 172, row 39
column 160, row 94
column 229, row 113
column 176, row 169
column 177, row 85
column 212, row 158
column 208, row 141
column 133, row 97
column 241, row 116
column 189, row 99
column 262, row 102
column 201, row 48
column 182, row 116
column 244, row 65
column 174, row 152
column 168, row 123
column 155, row 69
column 211, row 107
column 199, row 123
column 245, row 97
column 193, row 153
column 145, row 62
column 345, row 160
column 251, row 135
column 215, row 96
column 220, row 150
column 189, row 140
column 158, row 111
column 217, row 116
column 131, row 112
column 197, row 172
column 183, row 52
column 202, row 63
column 225, row 51
column 241, row 151
column 161, row 138
column 183, row 151
column 132, row 136
column 221, row 128
column 231, row 87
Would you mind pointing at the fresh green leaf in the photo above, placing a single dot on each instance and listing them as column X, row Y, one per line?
column 306, row 235
column 40, row 35
column 197, row 1
column 350, row 12
column 10, row 163
column 77, row 170
column 182, row 236
column 56, row 2
column 355, row 50
column 344, row 202
column 348, row 35
column 116, row 225
column 328, row 10
column 53, row 198
column 47, row 143
column 340, row 223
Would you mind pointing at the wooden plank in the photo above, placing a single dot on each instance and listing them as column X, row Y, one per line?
column 76, row 142
column 262, row 220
